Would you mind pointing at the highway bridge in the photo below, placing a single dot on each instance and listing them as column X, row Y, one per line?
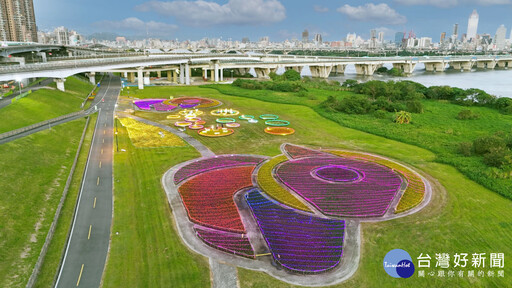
column 178, row 66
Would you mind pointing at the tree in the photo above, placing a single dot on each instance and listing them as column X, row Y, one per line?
column 403, row 117
column 291, row 75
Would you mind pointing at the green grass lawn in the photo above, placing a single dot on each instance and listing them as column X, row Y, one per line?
column 146, row 250
column 44, row 104
column 57, row 245
column 465, row 217
column 33, row 173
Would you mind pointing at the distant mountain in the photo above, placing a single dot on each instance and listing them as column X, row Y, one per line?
column 106, row 36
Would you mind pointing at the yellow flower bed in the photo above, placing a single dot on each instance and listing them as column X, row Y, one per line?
column 415, row 191
column 269, row 185
column 148, row 136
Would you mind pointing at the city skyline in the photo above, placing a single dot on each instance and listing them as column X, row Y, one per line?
column 278, row 20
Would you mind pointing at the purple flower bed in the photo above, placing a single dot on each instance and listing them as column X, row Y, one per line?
column 300, row 243
column 216, row 162
column 368, row 195
column 163, row 107
column 233, row 243
column 145, row 104
column 295, row 152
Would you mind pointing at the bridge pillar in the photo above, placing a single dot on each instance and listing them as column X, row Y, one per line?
column 339, row 69
column 243, row 71
column 406, row 68
column 182, row 74
column 169, row 76
column 60, row 84
column 462, row 65
column 296, row 68
column 147, row 80
column 187, row 74
column 264, row 72
column 486, row 64
column 205, row 74
column 320, row 71
column 174, row 76
column 504, row 63
column 92, row 78
column 221, row 71
column 212, row 74
column 216, row 72
column 435, row 66
column 131, row 77
column 366, row 69
column 159, row 74
column 140, row 78
column 43, row 56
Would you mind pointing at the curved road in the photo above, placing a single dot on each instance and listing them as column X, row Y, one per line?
column 87, row 247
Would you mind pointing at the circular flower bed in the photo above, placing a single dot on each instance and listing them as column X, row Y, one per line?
column 282, row 131
column 225, row 120
column 277, row 123
column 269, row 117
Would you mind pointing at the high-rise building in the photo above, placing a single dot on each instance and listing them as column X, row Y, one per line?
column 380, row 37
column 399, row 38
column 305, row 36
column 443, row 37
column 472, row 25
column 62, row 35
column 318, row 38
column 17, row 21
column 499, row 38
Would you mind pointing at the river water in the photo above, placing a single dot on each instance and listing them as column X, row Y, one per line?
column 496, row 82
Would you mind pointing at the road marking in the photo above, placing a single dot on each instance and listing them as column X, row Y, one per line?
column 105, row 125
column 98, row 182
column 102, row 151
column 94, row 205
column 80, row 276
column 89, row 236
column 104, row 131
column 100, row 164
column 103, row 140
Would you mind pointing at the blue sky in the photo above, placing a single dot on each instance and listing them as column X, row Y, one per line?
column 278, row 19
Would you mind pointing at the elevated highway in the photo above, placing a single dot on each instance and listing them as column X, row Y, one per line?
column 178, row 66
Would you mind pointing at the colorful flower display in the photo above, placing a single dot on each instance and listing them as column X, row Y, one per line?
column 147, row 136
column 232, row 243
column 217, row 162
column 369, row 194
column 208, row 197
column 299, row 242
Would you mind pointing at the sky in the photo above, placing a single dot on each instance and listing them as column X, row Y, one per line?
column 277, row 19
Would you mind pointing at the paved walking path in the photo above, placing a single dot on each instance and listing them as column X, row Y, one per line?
column 86, row 251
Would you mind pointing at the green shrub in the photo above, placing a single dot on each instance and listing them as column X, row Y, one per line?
column 485, row 144
column 291, row 75
column 498, row 157
column 466, row 148
column 380, row 114
column 414, row 106
column 354, row 104
column 467, row 114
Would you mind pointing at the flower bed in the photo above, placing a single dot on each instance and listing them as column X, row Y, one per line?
column 145, row 104
column 280, row 131
column 295, row 152
column 217, row 162
column 298, row 242
column 208, row 197
column 415, row 191
column 196, row 102
column 268, row 184
column 232, row 243
column 147, row 136
column 163, row 107
column 370, row 196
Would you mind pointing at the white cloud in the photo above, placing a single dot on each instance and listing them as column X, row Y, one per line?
column 453, row 3
column 379, row 13
column 320, row 9
column 237, row 12
column 136, row 25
